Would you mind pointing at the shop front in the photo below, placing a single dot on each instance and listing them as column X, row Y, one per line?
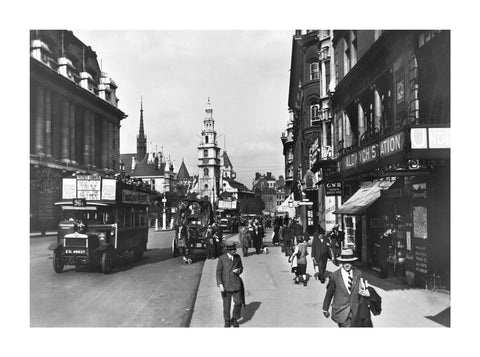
column 362, row 217
column 400, row 206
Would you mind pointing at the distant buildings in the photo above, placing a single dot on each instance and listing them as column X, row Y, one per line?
column 271, row 190
column 74, row 119
column 153, row 168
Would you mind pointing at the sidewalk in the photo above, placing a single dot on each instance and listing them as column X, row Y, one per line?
column 273, row 300
column 37, row 234
column 40, row 235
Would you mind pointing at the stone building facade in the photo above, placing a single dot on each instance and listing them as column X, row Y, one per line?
column 74, row 118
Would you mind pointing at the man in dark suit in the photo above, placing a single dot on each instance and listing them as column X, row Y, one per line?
column 336, row 237
column 287, row 235
column 297, row 230
column 345, row 286
column 217, row 239
column 320, row 249
column 229, row 268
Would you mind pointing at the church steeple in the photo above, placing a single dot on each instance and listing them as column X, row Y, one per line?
column 208, row 122
column 209, row 158
column 141, row 138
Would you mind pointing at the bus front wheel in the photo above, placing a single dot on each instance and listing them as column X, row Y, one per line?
column 57, row 262
column 106, row 263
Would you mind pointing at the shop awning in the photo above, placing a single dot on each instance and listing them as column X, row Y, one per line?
column 285, row 207
column 366, row 195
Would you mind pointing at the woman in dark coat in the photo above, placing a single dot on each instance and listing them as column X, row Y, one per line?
column 300, row 254
column 276, row 232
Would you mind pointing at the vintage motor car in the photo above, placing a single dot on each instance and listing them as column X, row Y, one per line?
column 102, row 220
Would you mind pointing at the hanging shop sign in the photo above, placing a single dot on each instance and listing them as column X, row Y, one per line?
column 129, row 196
column 430, row 138
column 333, row 188
column 386, row 147
column 227, row 204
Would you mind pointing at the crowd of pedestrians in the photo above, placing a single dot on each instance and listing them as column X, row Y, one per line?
column 348, row 296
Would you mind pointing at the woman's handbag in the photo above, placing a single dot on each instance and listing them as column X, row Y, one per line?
column 293, row 262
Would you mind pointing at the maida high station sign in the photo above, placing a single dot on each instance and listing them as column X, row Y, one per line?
column 424, row 142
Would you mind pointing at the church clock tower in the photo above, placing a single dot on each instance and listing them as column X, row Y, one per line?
column 209, row 159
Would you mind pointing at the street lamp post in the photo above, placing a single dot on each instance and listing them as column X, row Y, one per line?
column 164, row 200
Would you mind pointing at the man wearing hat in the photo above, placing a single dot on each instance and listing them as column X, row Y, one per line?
column 229, row 268
column 336, row 237
column 345, row 287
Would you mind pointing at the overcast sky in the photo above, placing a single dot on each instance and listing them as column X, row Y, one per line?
column 245, row 74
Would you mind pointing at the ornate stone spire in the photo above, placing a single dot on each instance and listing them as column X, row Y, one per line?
column 141, row 138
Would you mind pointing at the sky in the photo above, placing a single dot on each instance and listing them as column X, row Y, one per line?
column 245, row 73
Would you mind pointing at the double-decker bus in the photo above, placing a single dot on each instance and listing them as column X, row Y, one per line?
column 102, row 219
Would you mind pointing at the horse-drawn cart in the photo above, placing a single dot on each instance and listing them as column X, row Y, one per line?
column 191, row 221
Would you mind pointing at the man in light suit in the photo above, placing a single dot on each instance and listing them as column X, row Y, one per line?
column 229, row 268
column 345, row 286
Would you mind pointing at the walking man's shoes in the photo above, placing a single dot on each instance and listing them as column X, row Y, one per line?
column 235, row 323
column 227, row 324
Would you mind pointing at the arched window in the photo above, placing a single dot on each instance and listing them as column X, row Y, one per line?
column 314, row 71
column 314, row 114
column 205, row 153
column 206, row 139
column 205, row 172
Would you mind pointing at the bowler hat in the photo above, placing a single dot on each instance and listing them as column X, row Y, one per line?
column 336, row 225
column 347, row 256
column 230, row 245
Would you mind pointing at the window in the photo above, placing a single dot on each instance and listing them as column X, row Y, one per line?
column 354, row 47
column 340, row 128
column 206, row 139
column 315, row 114
column 327, row 75
column 329, row 134
column 336, row 67
column 346, row 59
column 314, row 71
column 205, row 172
column 350, row 48
column 205, row 152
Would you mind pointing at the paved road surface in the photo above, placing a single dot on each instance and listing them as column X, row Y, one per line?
column 157, row 291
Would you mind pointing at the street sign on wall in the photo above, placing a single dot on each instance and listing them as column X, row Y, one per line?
column 333, row 188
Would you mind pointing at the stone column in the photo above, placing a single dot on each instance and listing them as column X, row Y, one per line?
column 109, row 144
column 86, row 137
column 323, row 83
column 48, row 123
column 39, row 120
column 117, row 144
column 104, row 144
column 324, row 134
column 73, row 145
column 65, row 130
column 361, row 121
column 93, row 148
column 377, row 109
